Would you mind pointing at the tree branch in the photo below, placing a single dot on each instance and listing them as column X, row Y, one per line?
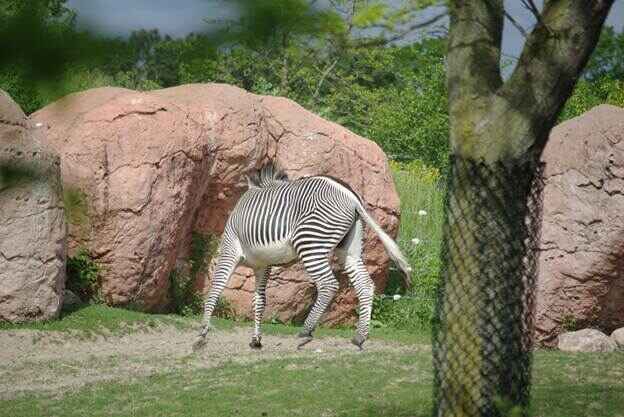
column 516, row 24
column 530, row 6
column 553, row 57
column 381, row 41
column 475, row 37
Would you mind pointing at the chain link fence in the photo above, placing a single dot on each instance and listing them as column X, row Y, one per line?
column 484, row 313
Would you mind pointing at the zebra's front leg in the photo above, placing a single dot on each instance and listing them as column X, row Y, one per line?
column 262, row 276
column 326, row 287
column 229, row 258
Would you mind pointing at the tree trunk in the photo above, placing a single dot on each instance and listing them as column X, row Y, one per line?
column 497, row 131
column 482, row 336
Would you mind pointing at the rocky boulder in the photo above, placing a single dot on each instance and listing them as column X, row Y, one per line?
column 32, row 223
column 581, row 268
column 156, row 167
column 618, row 337
column 586, row 340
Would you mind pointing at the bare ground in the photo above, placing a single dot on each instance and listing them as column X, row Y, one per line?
column 58, row 362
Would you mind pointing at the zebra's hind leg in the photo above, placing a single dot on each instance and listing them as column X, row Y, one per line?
column 313, row 240
column 365, row 290
column 262, row 276
column 350, row 255
column 229, row 257
column 326, row 287
column 320, row 272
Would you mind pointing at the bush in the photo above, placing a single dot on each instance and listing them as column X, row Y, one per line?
column 184, row 297
column 83, row 276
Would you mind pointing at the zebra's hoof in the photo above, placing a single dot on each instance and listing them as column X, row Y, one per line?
column 358, row 340
column 255, row 343
column 305, row 341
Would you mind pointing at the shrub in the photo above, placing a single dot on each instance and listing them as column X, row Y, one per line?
column 184, row 297
column 83, row 276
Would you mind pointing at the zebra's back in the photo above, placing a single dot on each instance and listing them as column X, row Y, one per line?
column 265, row 218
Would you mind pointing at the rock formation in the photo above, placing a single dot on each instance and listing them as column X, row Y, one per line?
column 581, row 269
column 32, row 224
column 154, row 167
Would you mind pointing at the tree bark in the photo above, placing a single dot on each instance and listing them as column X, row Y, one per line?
column 497, row 133
column 482, row 344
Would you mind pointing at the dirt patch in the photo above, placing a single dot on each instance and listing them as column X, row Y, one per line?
column 53, row 362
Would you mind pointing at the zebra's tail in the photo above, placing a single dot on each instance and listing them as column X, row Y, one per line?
column 391, row 247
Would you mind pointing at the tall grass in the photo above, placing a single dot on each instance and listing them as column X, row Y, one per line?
column 421, row 192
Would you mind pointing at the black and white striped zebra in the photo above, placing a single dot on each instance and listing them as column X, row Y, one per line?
column 278, row 221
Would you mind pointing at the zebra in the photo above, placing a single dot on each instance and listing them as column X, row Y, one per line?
column 278, row 221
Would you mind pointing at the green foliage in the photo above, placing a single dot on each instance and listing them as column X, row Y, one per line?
column 607, row 60
column 394, row 95
column 569, row 323
column 185, row 299
column 589, row 94
column 225, row 310
column 83, row 276
column 603, row 79
column 369, row 14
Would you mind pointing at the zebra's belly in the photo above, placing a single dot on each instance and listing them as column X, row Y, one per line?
column 277, row 253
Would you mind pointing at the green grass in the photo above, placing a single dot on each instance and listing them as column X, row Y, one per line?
column 95, row 318
column 350, row 385
column 98, row 318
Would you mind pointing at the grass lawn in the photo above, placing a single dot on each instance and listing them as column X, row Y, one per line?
column 387, row 382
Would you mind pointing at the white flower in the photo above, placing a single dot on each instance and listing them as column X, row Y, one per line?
column 39, row 124
column 415, row 241
column 422, row 213
column 396, row 297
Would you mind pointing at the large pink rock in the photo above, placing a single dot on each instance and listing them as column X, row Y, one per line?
column 32, row 223
column 581, row 277
column 157, row 166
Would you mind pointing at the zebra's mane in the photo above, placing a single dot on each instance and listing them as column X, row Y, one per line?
column 269, row 174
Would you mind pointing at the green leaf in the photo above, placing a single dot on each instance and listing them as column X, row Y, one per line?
column 369, row 15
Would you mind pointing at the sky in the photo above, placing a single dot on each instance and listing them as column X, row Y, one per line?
column 181, row 17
